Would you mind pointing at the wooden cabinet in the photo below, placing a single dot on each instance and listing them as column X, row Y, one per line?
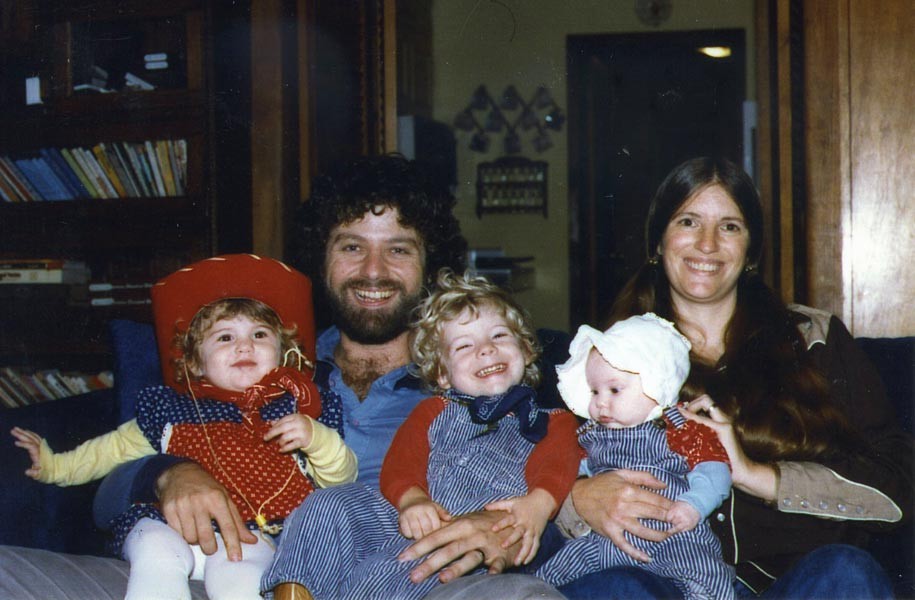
column 844, row 159
column 93, row 63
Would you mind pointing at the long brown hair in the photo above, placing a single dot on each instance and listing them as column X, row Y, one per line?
column 776, row 398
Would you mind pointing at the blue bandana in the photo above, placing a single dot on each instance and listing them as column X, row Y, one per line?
column 519, row 399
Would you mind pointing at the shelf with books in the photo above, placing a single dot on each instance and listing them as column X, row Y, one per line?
column 22, row 387
column 151, row 169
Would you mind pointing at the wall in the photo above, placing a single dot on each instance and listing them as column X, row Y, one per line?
column 522, row 42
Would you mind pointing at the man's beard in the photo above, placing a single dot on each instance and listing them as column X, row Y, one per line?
column 367, row 326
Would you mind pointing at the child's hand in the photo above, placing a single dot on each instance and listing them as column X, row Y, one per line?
column 422, row 518
column 528, row 515
column 683, row 516
column 31, row 441
column 292, row 432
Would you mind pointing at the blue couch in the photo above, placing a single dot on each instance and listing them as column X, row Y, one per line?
column 36, row 515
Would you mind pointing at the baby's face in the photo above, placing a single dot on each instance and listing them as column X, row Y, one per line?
column 481, row 355
column 617, row 399
column 238, row 352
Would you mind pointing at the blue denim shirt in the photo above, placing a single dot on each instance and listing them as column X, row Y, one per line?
column 369, row 425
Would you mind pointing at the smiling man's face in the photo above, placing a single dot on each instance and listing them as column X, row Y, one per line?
column 374, row 270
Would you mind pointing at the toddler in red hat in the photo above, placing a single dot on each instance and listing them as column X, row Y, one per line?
column 234, row 334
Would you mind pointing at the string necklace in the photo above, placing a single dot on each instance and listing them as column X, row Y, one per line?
column 259, row 518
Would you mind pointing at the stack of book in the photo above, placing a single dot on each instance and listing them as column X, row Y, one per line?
column 107, row 170
column 27, row 271
column 24, row 387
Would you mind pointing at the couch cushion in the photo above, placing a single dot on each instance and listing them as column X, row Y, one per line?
column 136, row 363
column 31, row 574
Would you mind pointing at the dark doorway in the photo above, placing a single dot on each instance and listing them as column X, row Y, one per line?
column 639, row 104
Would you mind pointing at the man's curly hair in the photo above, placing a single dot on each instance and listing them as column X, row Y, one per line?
column 350, row 190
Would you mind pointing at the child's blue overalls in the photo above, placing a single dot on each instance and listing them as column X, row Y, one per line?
column 692, row 559
column 352, row 531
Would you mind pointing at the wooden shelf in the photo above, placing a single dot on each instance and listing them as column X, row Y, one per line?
column 121, row 240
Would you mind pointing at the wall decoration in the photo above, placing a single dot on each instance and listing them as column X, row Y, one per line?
column 513, row 117
column 511, row 184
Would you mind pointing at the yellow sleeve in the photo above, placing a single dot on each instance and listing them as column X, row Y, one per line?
column 330, row 461
column 94, row 458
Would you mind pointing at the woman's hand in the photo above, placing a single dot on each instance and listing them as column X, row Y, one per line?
column 191, row 499
column 612, row 503
column 461, row 546
column 757, row 479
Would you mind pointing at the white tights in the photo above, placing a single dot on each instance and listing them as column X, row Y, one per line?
column 161, row 563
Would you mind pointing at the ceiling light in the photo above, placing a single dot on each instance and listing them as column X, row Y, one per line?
column 715, row 51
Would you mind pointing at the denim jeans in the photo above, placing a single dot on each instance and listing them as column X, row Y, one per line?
column 837, row 572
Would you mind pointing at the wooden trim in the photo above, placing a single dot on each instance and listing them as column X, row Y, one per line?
column 305, row 50
column 389, row 76
column 785, row 181
column 267, row 174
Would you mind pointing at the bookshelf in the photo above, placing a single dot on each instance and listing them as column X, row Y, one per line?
column 119, row 76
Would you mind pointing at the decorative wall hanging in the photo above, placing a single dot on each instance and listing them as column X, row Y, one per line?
column 513, row 115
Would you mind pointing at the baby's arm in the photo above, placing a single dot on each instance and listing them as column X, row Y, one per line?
column 683, row 516
column 709, row 485
column 90, row 460
column 528, row 515
column 330, row 461
column 419, row 515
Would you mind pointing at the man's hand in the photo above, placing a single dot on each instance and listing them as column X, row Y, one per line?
column 191, row 499
column 460, row 546
column 612, row 503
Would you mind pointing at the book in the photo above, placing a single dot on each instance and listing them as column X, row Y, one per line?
column 115, row 162
column 31, row 174
column 26, row 191
column 102, row 159
column 44, row 271
column 137, row 168
column 62, row 171
column 176, row 171
column 91, row 165
column 88, row 184
column 58, row 189
column 139, row 150
column 32, row 263
column 165, row 167
column 154, row 167
column 131, row 174
column 6, row 192
column 15, row 387
column 56, row 384
column 11, row 397
column 181, row 159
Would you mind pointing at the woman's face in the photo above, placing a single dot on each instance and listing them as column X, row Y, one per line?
column 704, row 248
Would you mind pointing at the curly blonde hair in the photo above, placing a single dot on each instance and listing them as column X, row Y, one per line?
column 452, row 296
column 190, row 362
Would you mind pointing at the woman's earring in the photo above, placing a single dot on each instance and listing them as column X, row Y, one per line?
column 653, row 261
column 749, row 268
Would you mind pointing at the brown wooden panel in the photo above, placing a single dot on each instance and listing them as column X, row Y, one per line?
column 881, row 241
column 826, row 115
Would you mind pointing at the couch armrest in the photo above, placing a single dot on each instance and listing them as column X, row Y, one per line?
column 39, row 515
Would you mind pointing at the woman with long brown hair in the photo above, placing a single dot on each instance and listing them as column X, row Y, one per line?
column 817, row 462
